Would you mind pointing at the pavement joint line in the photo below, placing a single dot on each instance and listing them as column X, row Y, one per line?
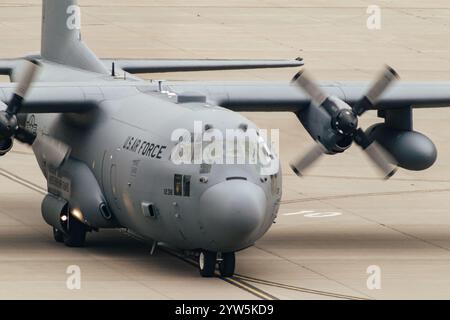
column 369, row 178
column 383, row 225
column 358, row 195
column 23, row 182
column 134, row 32
column 22, row 152
column 313, row 271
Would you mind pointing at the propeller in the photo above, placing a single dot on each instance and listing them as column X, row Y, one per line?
column 53, row 151
column 8, row 118
column 344, row 121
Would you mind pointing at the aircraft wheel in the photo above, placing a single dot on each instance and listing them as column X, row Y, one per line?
column 227, row 265
column 76, row 233
column 207, row 263
column 58, row 235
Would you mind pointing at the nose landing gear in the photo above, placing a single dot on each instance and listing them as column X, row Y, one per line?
column 207, row 261
column 227, row 265
column 74, row 234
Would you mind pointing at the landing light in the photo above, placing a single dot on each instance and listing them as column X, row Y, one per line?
column 78, row 214
column 63, row 218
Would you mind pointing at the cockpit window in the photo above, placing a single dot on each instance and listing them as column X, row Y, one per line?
column 241, row 148
column 187, row 186
column 178, row 187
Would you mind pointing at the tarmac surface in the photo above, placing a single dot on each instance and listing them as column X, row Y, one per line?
column 333, row 224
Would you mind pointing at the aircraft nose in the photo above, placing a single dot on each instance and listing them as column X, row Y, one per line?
column 232, row 213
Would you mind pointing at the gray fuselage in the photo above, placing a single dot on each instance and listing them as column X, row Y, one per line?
column 127, row 145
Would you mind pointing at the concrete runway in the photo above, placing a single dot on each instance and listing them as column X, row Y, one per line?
column 402, row 226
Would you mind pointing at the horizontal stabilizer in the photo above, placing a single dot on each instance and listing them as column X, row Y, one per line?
column 136, row 66
column 7, row 66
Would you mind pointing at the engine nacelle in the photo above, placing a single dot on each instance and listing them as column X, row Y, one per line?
column 412, row 150
column 75, row 184
column 52, row 210
column 318, row 124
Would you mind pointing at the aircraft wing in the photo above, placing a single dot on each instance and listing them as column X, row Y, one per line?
column 54, row 98
column 282, row 96
column 136, row 66
column 236, row 96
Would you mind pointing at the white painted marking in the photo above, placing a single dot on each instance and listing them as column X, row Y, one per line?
column 314, row 214
column 322, row 214
column 297, row 213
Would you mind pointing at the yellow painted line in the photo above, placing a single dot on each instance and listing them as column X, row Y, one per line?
column 256, row 292
column 246, row 287
column 22, row 181
column 299, row 289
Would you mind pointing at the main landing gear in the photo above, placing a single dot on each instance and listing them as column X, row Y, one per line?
column 74, row 234
column 207, row 261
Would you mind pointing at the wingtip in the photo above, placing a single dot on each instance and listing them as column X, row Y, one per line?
column 298, row 173
column 391, row 174
column 392, row 71
column 299, row 61
column 297, row 76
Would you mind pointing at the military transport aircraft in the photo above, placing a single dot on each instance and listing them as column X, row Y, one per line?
column 103, row 138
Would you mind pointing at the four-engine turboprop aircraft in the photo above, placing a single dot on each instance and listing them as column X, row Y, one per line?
column 104, row 139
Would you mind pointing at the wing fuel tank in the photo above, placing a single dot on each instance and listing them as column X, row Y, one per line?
column 412, row 150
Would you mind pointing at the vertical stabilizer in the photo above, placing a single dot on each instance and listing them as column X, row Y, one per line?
column 61, row 36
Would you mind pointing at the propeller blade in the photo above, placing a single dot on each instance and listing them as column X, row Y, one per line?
column 302, row 80
column 379, row 156
column 386, row 78
column 301, row 163
column 26, row 79
column 382, row 159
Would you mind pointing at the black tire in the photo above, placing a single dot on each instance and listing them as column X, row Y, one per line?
column 76, row 233
column 227, row 265
column 58, row 235
column 207, row 263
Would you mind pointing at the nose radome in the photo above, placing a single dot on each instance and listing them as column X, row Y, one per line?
column 232, row 212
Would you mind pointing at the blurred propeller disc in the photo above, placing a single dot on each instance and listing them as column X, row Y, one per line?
column 344, row 122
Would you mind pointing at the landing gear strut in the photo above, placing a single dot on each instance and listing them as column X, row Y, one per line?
column 207, row 261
